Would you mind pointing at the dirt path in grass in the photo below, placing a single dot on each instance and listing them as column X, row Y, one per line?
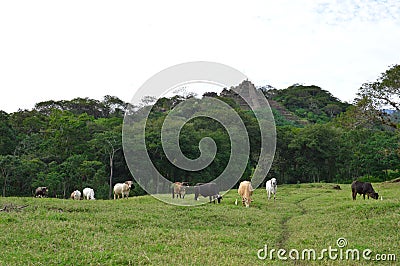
column 284, row 221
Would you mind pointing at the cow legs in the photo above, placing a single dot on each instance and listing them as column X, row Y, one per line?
column 354, row 194
column 246, row 202
column 212, row 199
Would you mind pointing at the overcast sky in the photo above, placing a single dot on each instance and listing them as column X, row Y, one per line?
column 66, row 49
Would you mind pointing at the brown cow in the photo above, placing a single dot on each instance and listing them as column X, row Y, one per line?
column 245, row 191
column 179, row 189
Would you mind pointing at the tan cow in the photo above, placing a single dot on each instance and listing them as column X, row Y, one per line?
column 179, row 189
column 245, row 191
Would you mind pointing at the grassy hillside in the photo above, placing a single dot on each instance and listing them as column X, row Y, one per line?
column 144, row 231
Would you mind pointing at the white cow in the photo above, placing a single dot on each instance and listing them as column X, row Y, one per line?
column 122, row 189
column 271, row 187
column 88, row 193
column 76, row 195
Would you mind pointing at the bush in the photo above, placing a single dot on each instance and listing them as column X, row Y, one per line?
column 371, row 179
column 393, row 174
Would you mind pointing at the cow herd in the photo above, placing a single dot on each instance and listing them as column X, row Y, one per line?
column 357, row 187
column 121, row 190
column 210, row 190
column 246, row 191
column 87, row 194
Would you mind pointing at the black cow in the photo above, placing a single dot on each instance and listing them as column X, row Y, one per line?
column 40, row 192
column 363, row 188
column 207, row 190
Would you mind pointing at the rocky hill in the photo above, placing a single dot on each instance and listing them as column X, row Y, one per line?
column 297, row 104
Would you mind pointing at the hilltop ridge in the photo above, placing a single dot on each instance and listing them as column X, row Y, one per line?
column 296, row 104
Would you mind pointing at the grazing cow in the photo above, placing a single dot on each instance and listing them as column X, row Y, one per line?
column 76, row 195
column 245, row 191
column 40, row 192
column 179, row 189
column 88, row 193
column 122, row 189
column 271, row 187
column 207, row 190
column 363, row 188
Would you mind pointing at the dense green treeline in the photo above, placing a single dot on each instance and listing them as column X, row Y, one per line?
column 64, row 145
column 68, row 145
column 325, row 152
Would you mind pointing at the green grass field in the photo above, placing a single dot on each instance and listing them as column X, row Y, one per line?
column 145, row 231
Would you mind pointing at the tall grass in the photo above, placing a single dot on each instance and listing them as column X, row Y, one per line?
column 145, row 231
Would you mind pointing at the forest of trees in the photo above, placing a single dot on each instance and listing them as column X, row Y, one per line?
column 68, row 145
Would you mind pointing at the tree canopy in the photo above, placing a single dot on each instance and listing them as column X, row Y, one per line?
column 68, row 145
column 382, row 96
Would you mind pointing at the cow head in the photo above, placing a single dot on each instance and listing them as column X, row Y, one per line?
column 219, row 198
column 374, row 195
column 182, row 191
column 129, row 183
